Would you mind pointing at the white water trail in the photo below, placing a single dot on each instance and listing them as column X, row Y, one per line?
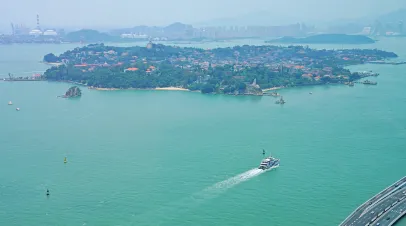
column 200, row 197
column 233, row 181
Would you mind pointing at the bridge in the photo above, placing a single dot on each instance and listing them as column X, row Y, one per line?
column 384, row 209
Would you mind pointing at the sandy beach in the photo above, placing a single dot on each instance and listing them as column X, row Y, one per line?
column 158, row 88
column 53, row 64
column 171, row 88
column 273, row 88
column 104, row 89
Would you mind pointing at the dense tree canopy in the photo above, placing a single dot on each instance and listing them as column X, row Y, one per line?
column 226, row 70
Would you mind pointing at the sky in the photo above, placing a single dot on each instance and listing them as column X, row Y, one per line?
column 129, row 13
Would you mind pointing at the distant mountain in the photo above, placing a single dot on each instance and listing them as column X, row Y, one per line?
column 137, row 30
column 391, row 17
column 395, row 16
column 260, row 18
column 266, row 18
column 326, row 39
column 88, row 35
column 177, row 28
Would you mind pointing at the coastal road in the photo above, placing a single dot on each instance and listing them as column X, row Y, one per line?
column 383, row 209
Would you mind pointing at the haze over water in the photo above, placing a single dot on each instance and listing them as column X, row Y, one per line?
column 182, row 158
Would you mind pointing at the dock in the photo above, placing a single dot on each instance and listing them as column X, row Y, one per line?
column 384, row 209
column 386, row 62
column 33, row 78
column 367, row 82
column 22, row 80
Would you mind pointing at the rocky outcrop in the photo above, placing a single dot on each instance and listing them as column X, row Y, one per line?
column 253, row 90
column 73, row 91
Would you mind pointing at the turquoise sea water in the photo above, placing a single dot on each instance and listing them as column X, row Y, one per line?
column 182, row 158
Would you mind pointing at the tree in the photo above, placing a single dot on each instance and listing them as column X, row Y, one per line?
column 208, row 88
column 242, row 86
column 51, row 58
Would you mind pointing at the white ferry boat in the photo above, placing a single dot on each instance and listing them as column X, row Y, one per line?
column 268, row 163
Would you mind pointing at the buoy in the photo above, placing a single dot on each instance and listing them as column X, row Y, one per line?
column 65, row 160
column 47, row 192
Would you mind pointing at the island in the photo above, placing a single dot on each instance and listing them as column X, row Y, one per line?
column 239, row 70
column 73, row 91
column 326, row 39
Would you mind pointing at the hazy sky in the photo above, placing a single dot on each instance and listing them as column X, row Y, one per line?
column 126, row 13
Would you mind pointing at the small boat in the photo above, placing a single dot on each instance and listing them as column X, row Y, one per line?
column 281, row 101
column 65, row 160
column 269, row 163
column 350, row 84
column 17, row 109
column 367, row 82
column 10, row 103
column 275, row 94
column 310, row 93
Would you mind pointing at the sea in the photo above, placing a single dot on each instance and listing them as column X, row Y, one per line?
column 183, row 158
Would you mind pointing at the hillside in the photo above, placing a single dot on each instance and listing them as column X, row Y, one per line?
column 88, row 35
column 395, row 16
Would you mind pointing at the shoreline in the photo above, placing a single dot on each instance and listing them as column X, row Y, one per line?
column 273, row 88
column 172, row 88
column 52, row 64
column 158, row 88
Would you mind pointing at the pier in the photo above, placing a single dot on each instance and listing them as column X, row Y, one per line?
column 384, row 209
column 386, row 62
column 22, row 80
column 367, row 82
column 34, row 77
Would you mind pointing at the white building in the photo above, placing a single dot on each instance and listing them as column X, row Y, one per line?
column 366, row 31
column 137, row 36
column 50, row 33
column 35, row 32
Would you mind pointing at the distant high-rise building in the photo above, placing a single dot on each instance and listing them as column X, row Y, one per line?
column 366, row 31
column 400, row 27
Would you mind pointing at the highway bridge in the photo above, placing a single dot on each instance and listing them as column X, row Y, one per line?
column 384, row 209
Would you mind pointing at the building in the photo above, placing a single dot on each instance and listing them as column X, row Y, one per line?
column 35, row 32
column 50, row 33
column 366, row 31
column 135, row 36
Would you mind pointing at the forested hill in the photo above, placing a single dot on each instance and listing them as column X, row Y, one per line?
column 237, row 70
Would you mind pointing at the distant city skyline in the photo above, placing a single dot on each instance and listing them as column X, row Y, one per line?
column 105, row 14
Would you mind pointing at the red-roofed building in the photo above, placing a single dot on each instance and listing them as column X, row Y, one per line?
column 131, row 69
column 80, row 65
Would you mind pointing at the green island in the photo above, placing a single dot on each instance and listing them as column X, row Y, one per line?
column 326, row 39
column 73, row 91
column 239, row 70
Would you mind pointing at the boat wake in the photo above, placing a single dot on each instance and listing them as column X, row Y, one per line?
column 233, row 181
column 198, row 198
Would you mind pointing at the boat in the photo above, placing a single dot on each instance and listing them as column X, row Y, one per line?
column 17, row 109
column 65, row 160
column 367, row 82
column 281, row 101
column 275, row 94
column 310, row 93
column 269, row 163
column 350, row 84
column 10, row 103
